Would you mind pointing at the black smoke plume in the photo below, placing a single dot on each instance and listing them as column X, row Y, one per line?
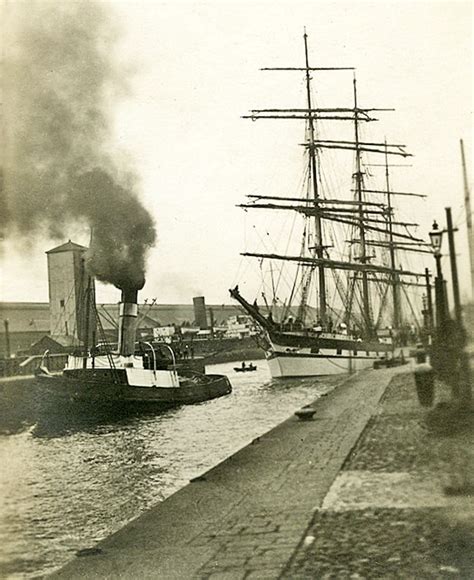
column 60, row 83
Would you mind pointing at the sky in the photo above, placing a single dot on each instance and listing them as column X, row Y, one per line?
column 193, row 71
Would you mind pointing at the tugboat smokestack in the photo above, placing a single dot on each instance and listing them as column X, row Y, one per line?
column 128, row 322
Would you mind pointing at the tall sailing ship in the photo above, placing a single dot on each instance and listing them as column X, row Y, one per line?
column 344, row 304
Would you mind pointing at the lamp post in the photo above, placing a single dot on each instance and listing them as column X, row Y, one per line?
column 438, row 349
column 436, row 238
column 464, row 373
column 449, row 358
column 442, row 359
column 454, row 269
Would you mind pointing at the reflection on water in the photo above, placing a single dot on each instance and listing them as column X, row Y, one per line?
column 70, row 480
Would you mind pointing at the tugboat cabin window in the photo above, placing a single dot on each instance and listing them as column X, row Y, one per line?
column 339, row 351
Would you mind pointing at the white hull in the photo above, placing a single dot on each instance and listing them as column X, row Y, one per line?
column 301, row 362
column 282, row 366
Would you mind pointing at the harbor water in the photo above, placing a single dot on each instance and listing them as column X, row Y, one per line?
column 68, row 482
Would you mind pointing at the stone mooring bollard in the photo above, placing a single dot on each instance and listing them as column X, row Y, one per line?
column 424, row 381
column 305, row 413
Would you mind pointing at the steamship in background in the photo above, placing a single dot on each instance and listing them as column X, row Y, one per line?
column 96, row 373
column 347, row 258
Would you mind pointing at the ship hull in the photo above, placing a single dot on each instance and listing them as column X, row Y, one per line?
column 306, row 365
column 103, row 392
column 293, row 355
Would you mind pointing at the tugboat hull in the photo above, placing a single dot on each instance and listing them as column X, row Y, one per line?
column 102, row 390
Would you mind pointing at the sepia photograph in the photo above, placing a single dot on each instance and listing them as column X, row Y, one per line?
column 236, row 289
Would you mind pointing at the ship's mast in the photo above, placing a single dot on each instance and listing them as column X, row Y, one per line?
column 314, row 181
column 393, row 241
column 467, row 204
column 367, row 217
column 395, row 279
column 359, row 188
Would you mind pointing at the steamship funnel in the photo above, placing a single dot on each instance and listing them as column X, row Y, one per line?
column 128, row 322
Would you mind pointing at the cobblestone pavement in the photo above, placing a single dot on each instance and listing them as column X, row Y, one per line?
column 401, row 507
column 384, row 543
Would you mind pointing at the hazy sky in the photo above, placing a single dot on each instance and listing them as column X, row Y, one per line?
column 194, row 70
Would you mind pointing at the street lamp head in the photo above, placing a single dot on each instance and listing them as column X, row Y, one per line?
column 436, row 237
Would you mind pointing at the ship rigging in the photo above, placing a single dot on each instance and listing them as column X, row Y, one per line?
column 368, row 228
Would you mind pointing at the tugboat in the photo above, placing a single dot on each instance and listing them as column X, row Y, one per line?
column 145, row 378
